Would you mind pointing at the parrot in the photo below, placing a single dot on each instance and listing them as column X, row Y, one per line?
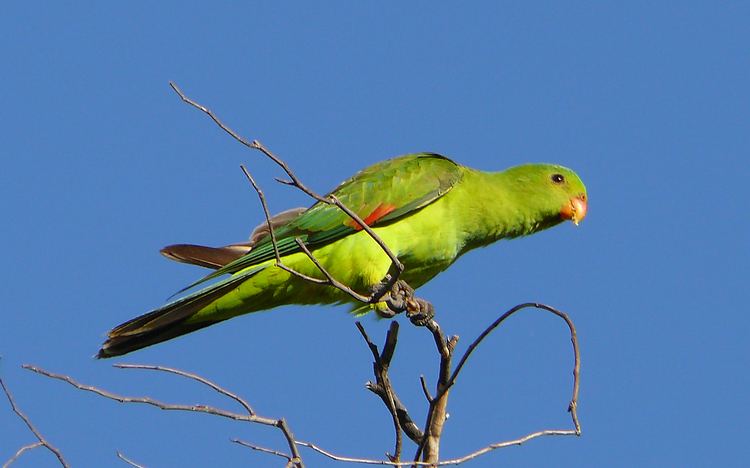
column 428, row 210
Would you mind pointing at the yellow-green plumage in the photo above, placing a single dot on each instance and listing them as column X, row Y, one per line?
column 428, row 210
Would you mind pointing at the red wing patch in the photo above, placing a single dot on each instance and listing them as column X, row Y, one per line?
column 379, row 211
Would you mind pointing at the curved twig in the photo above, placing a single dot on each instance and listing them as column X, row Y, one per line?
column 190, row 376
column 452, row 461
column 445, row 347
column 429, row 447
column 250, row 417
column 258, row 448
column 389, row 280
column 21, row 451
column 573, row 338
column 383, row 388
column 42, row 441
column 127, row 460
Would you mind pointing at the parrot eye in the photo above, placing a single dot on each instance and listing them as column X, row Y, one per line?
column 558, row 178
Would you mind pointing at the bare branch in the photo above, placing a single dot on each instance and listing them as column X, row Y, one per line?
column 266, row 212
column 21, row 451
column 331, row 280
column 452, row 461
column 127, row 460
column 250, row 417
column 509, row 443
column 383, row 387
column 396, row 262
column 572, row 407
column 436, row 413
column 42, row 441
column 364, row 461
column 429, row 448
column 425, row 390
column 428, row 441
column 263, row 449
column 389, row 280
column 191, row 376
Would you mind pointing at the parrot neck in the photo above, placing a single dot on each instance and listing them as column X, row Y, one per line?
column 501, row 211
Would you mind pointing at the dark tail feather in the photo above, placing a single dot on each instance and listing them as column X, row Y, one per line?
column 119, row 345
column 167, row 322
column 217, row 257
column 209, row 257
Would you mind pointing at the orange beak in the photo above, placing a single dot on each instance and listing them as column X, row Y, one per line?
column 575, row 209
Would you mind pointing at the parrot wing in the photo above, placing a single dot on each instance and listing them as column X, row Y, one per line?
column 379, row 194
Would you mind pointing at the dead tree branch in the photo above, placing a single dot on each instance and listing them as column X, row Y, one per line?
column 290, row 460
column 42, row 441
column 127, row 460
column 21, row 451
column 191, row 376
column 429, row 447
column 396, row 266
column 427, row 439
column 573, row 405
column 251, row 416
column 383, row 388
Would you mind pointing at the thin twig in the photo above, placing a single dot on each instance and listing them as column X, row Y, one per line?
column 266, row 212
column 451, row 461
column 44, row 442
column 429, row 448
column 383, row 387
column 251, row 417
column 262, row 449
column 191, row 376
column 127, row 460
column 21, row 451
column 272, row 232
column 509, row 443
column 331, row 280
column 389, row 280
column 572, row 407
column 364, row 461
column 425, row 390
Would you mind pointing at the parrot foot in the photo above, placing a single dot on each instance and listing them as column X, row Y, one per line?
column 401, row 299
column 398, row 297
column 419, row 311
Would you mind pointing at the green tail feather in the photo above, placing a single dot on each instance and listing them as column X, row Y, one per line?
column 168, row 321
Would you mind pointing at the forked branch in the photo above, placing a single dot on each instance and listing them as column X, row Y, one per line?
column 397, row 267
column 427, row 440
column 248, row 416
column 572, row 407
column 41, row 440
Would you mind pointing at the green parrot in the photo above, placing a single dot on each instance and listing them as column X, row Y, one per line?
column 428, row 209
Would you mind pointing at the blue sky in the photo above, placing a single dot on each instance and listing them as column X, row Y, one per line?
column 102, row 165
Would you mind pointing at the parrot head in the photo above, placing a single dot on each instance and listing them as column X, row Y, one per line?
column 555, row 193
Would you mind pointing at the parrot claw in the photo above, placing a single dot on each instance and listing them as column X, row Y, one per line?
column 399, row 296
column 419, row 311
column 401, row 299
